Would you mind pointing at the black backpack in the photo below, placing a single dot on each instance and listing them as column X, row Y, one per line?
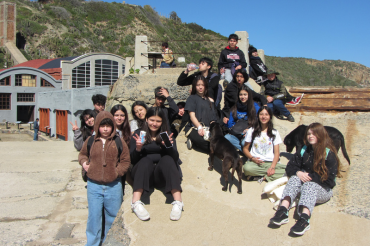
column 118, row 141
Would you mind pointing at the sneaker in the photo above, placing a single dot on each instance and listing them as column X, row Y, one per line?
column 138, row 208
column 225, row 84
column 280, row 217
column 261, row 180
column 290, row 118
column 177, row 208
column 280, row 117
column 292, row 102
column 298, row 99
column 301, row 226
column 188, row 144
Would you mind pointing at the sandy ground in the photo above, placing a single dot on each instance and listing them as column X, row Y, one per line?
column 43, row 198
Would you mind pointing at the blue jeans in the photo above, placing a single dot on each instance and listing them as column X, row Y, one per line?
column 35, row 134
column 278, row 105
column 163, row 64
column 235, row 141
column 99, row 195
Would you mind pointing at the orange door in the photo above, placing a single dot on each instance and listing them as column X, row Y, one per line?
column 62, row 124
column 44, row 119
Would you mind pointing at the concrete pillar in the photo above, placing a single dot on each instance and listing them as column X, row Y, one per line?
column 141, row 54
column 243, row 44
column 8, row 14
column 129, row 63
column 261, row 54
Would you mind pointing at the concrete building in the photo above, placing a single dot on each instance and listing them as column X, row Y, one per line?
column 56, row 90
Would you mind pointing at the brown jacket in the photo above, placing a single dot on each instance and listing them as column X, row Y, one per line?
column 104, row 166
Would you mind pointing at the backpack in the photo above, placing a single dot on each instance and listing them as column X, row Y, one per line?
column 305, row 147
column 118, row 141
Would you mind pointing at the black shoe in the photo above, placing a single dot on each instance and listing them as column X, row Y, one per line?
column 280, row 116
column 290, row 118
column 301, row 226
column 189, row 144
column 280, row 217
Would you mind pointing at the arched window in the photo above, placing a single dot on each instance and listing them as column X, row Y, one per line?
column 44, row 83
column 106, row 72
column 81, row 76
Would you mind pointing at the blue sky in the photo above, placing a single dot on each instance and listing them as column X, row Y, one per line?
column 326, row 29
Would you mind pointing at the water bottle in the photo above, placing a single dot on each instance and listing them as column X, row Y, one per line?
column 192, row 66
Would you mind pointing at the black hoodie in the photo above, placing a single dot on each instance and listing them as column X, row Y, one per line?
column 228, row 57
column 258, row 67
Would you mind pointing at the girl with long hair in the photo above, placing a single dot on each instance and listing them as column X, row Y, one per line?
column 201, row 111
column 86, row 130
column 155, row 164
column 232, row 93
column 120, row 116
column 243, row 113
column 138, row 110
column 262, row 148
column 312, row 172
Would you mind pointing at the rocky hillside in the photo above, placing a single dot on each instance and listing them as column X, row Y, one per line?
column 62, row 28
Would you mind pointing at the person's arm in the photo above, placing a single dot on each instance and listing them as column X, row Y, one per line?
column 124, row 161
column 184, row 79
column 243, row 62
column 135, row 152
column 78, row 140
column 258, row 97
column 221, row 61
column 294, row 165
column 213, row 87
column 171, row 151
column 173, row 109
column 83, row 157
column 231, row 121
column 332, row 165
column 271, row 170
column 282, row 93
column 196, row 123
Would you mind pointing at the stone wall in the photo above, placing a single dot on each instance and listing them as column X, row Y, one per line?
column 140, row 87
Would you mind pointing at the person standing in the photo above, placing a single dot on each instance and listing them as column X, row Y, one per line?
column 35, row 129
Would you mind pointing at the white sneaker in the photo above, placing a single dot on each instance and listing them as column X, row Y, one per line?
column 139, row 210
column 177, row 208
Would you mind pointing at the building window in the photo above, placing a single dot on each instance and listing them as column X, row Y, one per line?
column 123, row 68
column 25, row 97
column 25, row 80
column 44, row 83
column 81, row 76
column 106, row 72
column 5, row 100
column 5, row 81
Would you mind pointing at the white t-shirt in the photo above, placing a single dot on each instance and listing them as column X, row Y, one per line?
column 262, row 146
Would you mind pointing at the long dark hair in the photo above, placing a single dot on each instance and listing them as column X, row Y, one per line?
column 125, row 127
column 205, row 83
column 85, row 129
column 251, row 110
column 319, row 151
column 155, row 111
column 244, row 73
column 258, row 126
column 140, row 122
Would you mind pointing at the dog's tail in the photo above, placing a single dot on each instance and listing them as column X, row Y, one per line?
column 344, row 152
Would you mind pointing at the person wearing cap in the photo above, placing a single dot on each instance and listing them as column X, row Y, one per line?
column 276, row 93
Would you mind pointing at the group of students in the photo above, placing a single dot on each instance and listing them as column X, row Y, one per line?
column 112, row 149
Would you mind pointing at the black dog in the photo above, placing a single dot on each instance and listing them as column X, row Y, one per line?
column 224, row 150
column 295, row 139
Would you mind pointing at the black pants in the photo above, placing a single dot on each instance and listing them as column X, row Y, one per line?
column 163, row 174
column 198, row 141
